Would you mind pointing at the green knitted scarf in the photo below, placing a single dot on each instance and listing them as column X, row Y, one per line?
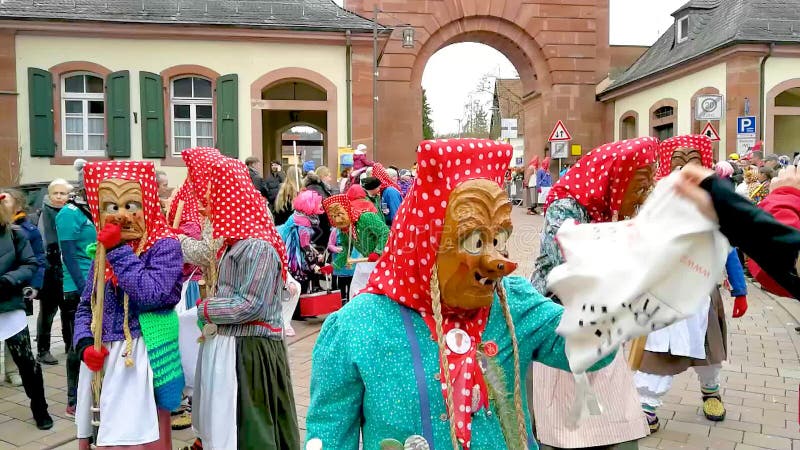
column 160, row 333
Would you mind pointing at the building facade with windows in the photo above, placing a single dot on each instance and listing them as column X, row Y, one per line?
column 94, row 79
column 746, row 51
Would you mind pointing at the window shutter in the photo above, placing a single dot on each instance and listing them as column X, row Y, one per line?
column 152, row 97
column 228, row 115
column 40, row 108
column 118, row 114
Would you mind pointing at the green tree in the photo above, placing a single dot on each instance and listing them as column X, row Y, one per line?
column 427, row 122
column 475, row 123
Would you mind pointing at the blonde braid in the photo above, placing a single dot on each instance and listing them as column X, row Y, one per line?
column 126, row 329
column 523, row 430
column 436, row 305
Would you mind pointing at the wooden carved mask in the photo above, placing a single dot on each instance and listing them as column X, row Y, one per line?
column 473, row 253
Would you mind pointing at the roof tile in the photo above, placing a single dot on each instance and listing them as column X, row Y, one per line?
column 275, row 14
column 714, row 24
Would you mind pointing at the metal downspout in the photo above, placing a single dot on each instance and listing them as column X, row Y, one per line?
column 349, row 87
column 762, row 106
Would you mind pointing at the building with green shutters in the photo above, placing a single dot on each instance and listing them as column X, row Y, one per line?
column 144, row 79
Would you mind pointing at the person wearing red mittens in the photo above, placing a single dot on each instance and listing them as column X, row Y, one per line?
column 139, row 353
column 699, row 342
column 362, row 228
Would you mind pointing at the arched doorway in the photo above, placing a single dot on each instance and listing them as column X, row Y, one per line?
column 783, row 118
column 664, row 119
column 304, row 140
column 560, row 51
column 489, row 95
column 291, row 97
column 628, row 125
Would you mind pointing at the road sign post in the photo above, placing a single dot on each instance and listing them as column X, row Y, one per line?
column 711, row 132
column 746, row 126
column 559, row 149
column 745, row 134
column 560, row 133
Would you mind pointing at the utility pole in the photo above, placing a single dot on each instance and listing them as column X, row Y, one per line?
column 375, row 83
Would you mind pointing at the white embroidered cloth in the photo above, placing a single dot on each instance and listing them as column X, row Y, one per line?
column 625, row 279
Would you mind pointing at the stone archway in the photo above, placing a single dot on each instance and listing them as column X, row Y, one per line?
column 560, row 51
column 783, row 117
column 323, row 110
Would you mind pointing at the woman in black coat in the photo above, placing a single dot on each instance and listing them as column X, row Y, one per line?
column 18, row 265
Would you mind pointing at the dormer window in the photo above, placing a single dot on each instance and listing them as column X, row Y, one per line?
column 682, row 29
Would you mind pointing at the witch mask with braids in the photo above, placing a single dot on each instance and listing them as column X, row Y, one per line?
column 470, row 326
column 141, row 286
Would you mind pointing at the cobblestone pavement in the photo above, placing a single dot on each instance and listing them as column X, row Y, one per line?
column 760, row 381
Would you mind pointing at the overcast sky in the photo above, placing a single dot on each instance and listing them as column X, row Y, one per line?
column 633, row 22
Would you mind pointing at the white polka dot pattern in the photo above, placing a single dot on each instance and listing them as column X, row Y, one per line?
column 238, row 211
column 199, row 161
column 379, row 172
column 143, row 172
column 599, row 180
column 699, row 142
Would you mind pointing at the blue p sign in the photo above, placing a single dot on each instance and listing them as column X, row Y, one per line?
column 746, row 125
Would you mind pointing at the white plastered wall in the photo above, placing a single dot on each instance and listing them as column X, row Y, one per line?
column 250, row 60
column 681, row 90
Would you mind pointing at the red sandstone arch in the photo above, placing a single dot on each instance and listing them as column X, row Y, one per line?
column 506, row 37
column 630, row 114
column 560, row 50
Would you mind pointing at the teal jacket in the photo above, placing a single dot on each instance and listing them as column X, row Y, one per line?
column 363, row 376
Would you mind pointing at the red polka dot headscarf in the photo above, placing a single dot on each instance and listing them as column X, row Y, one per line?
column 142, row 172
column 358, row 203
column 341, row 200
column 598, row 180
column 190, row 212
column 237, row 209
column 379, row 172
column 403, row 272
column 699, row 142
column 199, row 161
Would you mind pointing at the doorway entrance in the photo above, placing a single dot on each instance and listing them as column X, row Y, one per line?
column 299, row 102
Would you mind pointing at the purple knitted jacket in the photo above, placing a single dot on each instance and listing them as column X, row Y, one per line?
column 152, row 282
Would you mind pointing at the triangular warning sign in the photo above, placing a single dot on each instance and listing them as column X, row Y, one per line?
column 710, row 132
column 560, row 133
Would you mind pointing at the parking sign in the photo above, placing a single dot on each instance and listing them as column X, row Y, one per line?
column 746, row 126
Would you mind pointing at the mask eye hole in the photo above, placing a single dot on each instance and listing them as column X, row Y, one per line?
column 133, row 207
column 501, row 241
column 111, row 208
column 473, row 243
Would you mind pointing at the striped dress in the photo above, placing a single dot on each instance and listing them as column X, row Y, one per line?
column 553, row 390
column 243, row 391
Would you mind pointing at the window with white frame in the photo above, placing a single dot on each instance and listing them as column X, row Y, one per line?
column 682, row 29
column 83, row 118
column 191, row 109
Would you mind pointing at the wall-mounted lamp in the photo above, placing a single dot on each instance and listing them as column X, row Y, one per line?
column 408, row 37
